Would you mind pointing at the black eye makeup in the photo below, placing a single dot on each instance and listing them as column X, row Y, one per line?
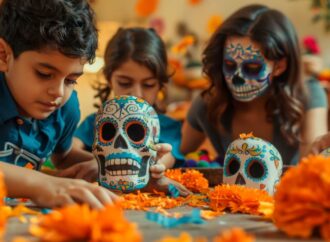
column 253, row 69
column 229, row 66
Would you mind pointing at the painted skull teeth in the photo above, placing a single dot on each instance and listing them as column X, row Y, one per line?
column 125, row 128
column 122, row 167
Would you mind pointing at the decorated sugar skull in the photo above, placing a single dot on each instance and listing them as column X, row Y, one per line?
column 126, row 129
column 252, row 162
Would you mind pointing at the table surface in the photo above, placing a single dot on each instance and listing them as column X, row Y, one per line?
column 263, row 230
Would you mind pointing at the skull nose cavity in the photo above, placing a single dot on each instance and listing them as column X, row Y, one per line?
column 237, row 80
column 240, row 180
column 120, row 143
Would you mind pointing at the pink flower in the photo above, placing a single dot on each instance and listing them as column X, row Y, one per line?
column 311, row 45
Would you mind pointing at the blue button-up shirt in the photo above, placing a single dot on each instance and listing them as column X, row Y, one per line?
column 29, row 142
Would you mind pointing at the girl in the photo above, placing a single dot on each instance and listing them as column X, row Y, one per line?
column 135, row 64
column 253, row 62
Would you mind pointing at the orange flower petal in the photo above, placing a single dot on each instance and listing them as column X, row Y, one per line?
column 234, row 235
column 302, row 200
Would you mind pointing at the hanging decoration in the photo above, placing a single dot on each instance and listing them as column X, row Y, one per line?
column 144, row 8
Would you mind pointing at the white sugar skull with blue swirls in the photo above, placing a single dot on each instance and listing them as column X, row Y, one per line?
column 125, row 130
column 252, row 162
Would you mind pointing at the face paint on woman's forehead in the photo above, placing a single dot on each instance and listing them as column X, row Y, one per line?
column 246, row 71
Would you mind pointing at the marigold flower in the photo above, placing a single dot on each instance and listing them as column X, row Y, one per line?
column 239, row 199
column 80, row 222
column 213, row 23
column 234, row 235
column 191, row 178
column 3, row 215
column 302, row 200
column 183, row 45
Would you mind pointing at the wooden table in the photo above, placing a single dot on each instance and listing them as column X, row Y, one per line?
column 263, row 230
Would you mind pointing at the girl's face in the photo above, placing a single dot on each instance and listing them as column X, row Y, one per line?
column 134, row 79
column 247, row 72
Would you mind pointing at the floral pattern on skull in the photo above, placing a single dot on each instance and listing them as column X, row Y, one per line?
column 126, row 129
column 252, row 162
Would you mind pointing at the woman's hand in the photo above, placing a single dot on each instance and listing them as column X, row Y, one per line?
column 320, row 144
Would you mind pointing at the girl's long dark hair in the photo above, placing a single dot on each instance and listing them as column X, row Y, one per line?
column 141, row 45
column 277, row 38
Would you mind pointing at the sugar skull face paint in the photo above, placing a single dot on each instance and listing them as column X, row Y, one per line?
column 126, row 129
column 247, row 72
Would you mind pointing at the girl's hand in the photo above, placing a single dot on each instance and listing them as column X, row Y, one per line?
column 57, row 192
column 87, row 170
column 320, row 144
column 163, row 150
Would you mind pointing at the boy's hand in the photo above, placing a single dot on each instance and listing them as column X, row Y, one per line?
column 57, row 192
column 162, row 183
column 87, row 170
column 320, row 144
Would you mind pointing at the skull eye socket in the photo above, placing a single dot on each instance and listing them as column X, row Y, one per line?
column 256, row 169
column 136, row 132
column 107, row 132
column 232, row 166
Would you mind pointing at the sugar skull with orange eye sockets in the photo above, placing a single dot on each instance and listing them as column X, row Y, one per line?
column 125, row 129
column 252, row 162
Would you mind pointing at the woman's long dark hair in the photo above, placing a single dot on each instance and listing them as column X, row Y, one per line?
column 277, row 38
column 141, row 45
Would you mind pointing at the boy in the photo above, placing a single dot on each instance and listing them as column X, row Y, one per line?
column 43, row 48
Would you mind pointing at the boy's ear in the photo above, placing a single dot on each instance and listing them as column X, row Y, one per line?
column 5, row 54
column 280, row 67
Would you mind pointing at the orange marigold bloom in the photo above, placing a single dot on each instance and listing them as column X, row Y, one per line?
column 183, row 45
column 302, row 200
column 246, row 136
column 213, row 23
column 143, row 201
column 238, row 199
column 183, row 237
column 3, row 215
column 79, row 222
column 192, row 179
column 144, row 8
column 234, row 235
column 3, row 191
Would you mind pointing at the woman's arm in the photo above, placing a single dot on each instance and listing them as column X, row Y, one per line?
column 314, row 125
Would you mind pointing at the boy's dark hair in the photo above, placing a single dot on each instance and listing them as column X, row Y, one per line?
column 141, row 45
column 64, row 25
column 277, row 37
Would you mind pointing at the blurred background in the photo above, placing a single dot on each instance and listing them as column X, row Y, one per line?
column 186, row 25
